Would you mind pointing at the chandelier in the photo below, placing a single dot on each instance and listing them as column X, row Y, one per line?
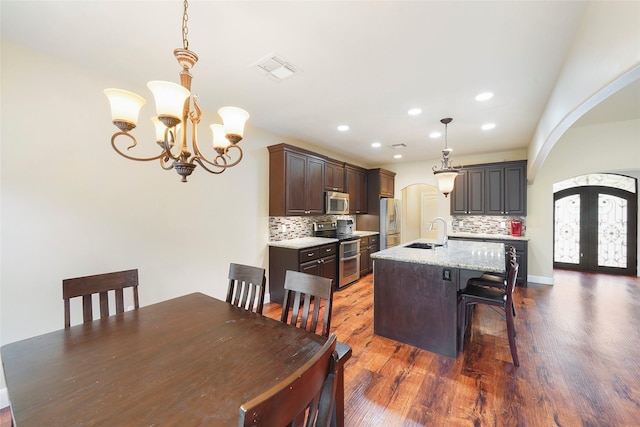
column 173, row 109
column 446, row 175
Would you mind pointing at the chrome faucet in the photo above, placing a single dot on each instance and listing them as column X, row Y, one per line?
column 444, row 223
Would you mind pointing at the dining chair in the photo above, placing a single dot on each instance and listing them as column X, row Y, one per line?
column 503, row 299
column 306, row 298
column 309, row 295
column 246, row 287
column 100, row 284
column 496, row 280
column 304, row 398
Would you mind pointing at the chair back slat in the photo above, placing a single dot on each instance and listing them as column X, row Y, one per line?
column 307, row 301
column 246, row 287
column 304, row 398
column 100, row 284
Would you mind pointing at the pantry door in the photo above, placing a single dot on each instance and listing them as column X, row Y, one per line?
column 595, row 229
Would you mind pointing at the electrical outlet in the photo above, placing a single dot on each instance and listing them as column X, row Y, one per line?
column 284, row 228
column 503, row 224
column 461, row 223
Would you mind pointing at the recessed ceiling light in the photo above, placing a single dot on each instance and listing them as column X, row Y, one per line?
column 415, row 111
column 435, row 135
column 397, row 156
column 488, row 126
column 343, row 128
column 484, row 96
column 376, row 144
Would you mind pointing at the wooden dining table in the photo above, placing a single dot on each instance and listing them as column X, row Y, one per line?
column 188, row 361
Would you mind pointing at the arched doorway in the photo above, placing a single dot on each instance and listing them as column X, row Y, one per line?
column 595, row 224
column 419, row 207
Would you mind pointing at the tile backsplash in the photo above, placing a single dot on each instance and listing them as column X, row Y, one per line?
column 485, row 224
column 291, row 227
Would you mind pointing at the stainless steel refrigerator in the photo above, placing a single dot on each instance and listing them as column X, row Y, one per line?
column 389, row 223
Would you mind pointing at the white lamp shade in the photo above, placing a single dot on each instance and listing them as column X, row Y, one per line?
column 446, row 181
column 169, row 97
column 234, row 119
column 159, row 127
column 125, row 106
column 219, row 136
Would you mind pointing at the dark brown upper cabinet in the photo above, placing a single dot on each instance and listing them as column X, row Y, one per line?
column 356, row 185
column 334, row 176
column 506, row 189
column 467, row 197
column 296, row 182
column 491, row 189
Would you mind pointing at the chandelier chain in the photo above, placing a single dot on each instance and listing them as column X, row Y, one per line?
column 185, row 28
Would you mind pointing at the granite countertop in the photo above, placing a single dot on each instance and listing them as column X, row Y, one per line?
column 482, row 256
column 488, row 236
column 360, row 233
column 302, row 242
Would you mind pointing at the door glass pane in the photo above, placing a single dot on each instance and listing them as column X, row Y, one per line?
column 612, row 231
column 567, row 230
column 603, row 179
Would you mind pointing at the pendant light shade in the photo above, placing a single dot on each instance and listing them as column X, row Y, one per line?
column 446, row 175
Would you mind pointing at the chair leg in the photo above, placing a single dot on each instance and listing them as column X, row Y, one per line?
column 461, row 324
column 511, row 334
column 338, row 420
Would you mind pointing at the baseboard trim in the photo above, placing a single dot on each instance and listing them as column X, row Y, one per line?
column 4, row 398
column 540, row 279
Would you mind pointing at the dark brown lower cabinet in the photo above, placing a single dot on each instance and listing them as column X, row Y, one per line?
column 317, row 260
column 368, row 245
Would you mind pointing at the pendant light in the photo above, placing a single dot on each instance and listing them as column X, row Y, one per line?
column 446, row 175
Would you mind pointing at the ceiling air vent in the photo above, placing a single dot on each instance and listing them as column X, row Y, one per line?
column 399, row 145
column 276, row 67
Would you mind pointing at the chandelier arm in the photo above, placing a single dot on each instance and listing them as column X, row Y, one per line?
column 215, row 163
column 167, row 145
column 164, row 165
column 140, row 159
column 201, row 163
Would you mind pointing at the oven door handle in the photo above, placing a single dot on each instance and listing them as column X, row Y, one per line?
column 350, row 258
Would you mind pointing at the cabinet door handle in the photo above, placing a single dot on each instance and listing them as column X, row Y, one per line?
column 310, row 255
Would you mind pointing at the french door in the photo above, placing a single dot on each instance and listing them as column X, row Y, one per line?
column 595, row 230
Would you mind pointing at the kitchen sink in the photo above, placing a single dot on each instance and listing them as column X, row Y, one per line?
column 423, row 245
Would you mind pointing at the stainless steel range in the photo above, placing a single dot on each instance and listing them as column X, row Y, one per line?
column 349, row 248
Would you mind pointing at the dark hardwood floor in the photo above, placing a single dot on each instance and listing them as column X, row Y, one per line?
column 578, row 342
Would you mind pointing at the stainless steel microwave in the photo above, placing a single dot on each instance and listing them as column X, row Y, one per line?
column 337, row 203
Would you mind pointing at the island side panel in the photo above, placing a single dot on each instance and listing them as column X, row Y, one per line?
column 414, row 305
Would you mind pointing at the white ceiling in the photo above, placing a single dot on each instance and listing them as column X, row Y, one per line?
column 363, row 63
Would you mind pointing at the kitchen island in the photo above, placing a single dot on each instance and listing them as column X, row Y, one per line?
column 415, row 290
